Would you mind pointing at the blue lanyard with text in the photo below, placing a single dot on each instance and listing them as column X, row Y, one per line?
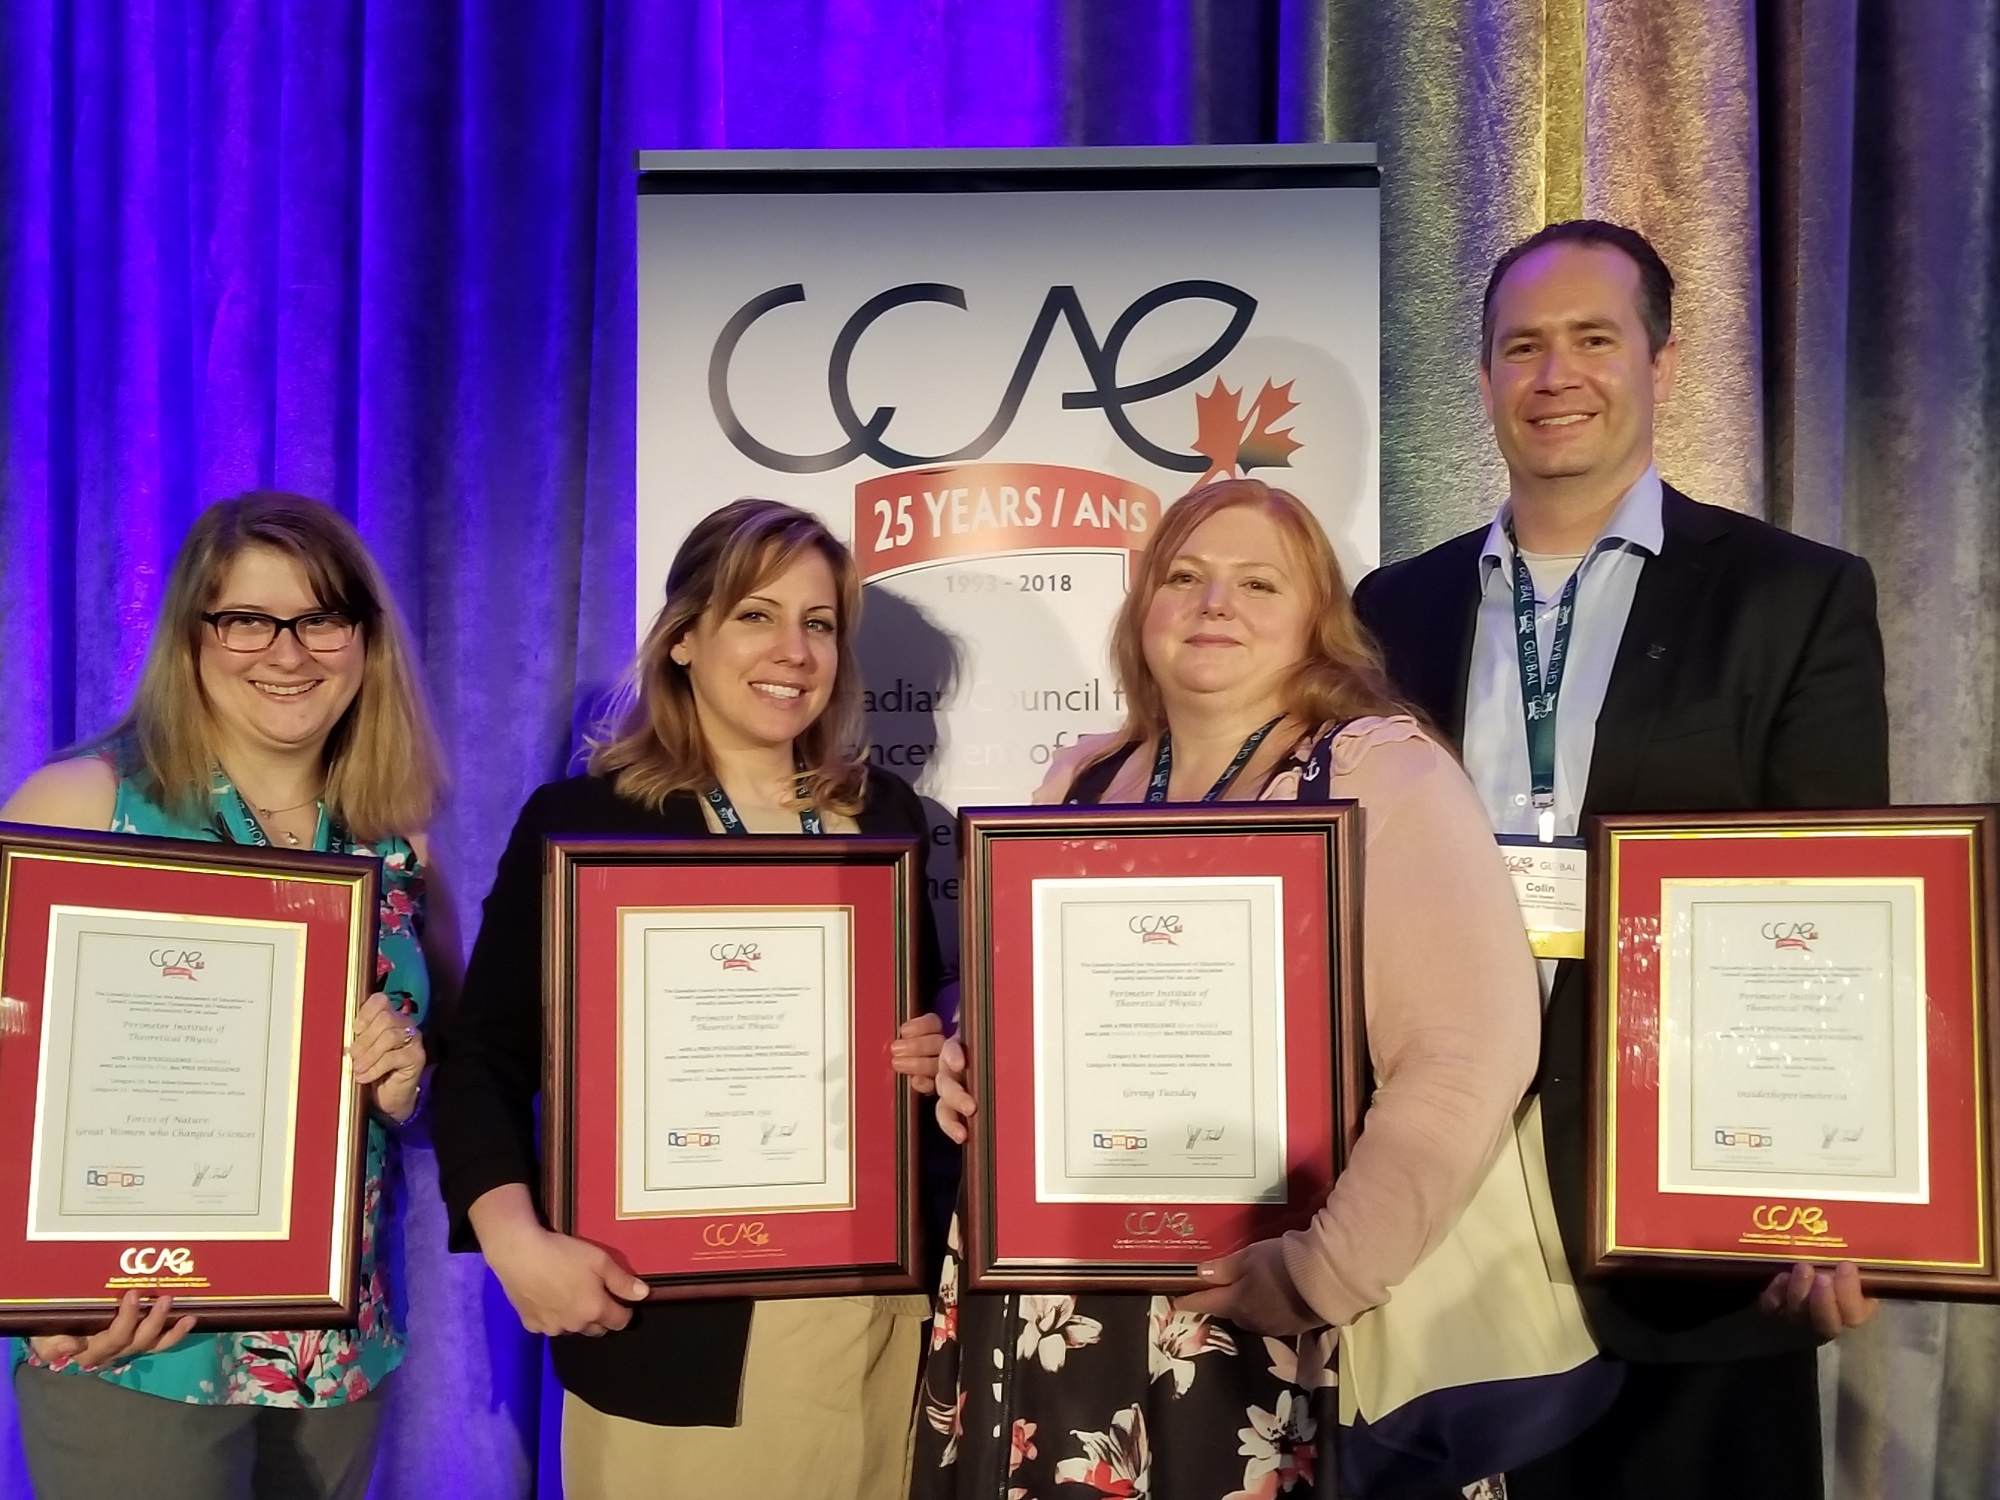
column 732, row 821
column 1163, row 764
column 1539, row 689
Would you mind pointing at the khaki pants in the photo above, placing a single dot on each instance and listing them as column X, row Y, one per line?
column 829, row 1399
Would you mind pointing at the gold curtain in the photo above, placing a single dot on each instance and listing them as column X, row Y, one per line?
column 1824, row 178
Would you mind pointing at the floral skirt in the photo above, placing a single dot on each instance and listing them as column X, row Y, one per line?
column 1027, row 1394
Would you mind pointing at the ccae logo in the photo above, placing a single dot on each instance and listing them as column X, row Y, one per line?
column 1520, row 864
column 1149, row 1222
column 694, row 1139
column 728, row 1236
column 1789, row 1218
column 1162, row 929
column 737, row 955
column 1117, row 1140
column 176, row 963
column 865, row 437
column 1800, row 935
column 153, row 1260
column 112, row 1177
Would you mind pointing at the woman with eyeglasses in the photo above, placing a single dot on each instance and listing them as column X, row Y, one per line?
column 745, row 719
column 279, row 705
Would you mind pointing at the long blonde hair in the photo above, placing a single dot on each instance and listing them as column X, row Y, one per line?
column 1341, row 675
column 652, row 746
column 384, row 772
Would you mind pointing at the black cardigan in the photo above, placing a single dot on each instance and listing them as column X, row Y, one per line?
column 676, row 1364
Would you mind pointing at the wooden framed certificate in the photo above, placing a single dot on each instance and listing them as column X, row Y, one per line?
column 719, row 1108
column 1163, row 1011
column 1791, row 1031
column 176, row 1095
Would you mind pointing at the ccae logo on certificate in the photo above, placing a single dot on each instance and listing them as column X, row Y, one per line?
column 1147, row 1223
column 1117, row 1140
column 1788, row 1218
column 737, row 956
column 1791, row 1224
column 1161, row 929
column 694, row 1140
column 1799, row 935
column 749, row 1232
column 156, row 1265
column 176, row 963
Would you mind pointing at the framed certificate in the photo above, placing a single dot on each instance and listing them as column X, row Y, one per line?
column 1791, row 1032
column 719, row 1108
column 1163, row 1011
column 176, row 1100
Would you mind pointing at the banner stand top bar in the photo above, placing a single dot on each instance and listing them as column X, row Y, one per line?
column 1015, row 159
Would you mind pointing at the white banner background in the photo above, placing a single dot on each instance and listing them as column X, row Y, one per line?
column 993, row 578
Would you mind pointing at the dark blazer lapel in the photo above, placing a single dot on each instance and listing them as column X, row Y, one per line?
column 1672, row 588
column 1458, row 619
column 1438, row 673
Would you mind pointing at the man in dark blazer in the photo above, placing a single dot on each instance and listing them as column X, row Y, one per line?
column 1691, row 659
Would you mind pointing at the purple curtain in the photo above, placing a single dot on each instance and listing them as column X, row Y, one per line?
column 383, row 254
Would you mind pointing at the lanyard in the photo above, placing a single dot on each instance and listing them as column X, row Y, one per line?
column 1539, row 689
column 1163, row 764
column 732, row 821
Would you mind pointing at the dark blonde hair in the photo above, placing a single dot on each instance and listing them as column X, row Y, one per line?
column 384, row 772
column 1341, row 676
column 652, row 747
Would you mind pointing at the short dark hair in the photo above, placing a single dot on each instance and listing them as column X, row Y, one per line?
column 1656, row 282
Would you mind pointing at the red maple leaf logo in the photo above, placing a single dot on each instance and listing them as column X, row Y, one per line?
column 1236, row 441
column 1268, row 446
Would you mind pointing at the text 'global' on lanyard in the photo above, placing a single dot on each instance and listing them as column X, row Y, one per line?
column 1163, row 764
column 1540, row 687
column 732, row 821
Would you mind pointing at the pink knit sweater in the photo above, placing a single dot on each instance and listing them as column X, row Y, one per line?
column 1453, row 1006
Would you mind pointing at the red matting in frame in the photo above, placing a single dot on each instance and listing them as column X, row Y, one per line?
column 1015, row 1240
column 1942, row 1248
column 871, row 1245
column 306, row 1279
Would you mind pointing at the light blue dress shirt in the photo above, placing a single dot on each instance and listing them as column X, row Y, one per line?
column 1496, row 730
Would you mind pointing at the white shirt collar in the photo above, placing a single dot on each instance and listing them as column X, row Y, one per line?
column 1634, row 523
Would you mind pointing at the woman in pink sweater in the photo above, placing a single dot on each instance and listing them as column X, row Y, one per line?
column 1247, row 677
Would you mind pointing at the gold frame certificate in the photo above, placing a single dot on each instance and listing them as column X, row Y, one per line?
column 719, row 1112
column 174, row 1024
column 1164, row 1020
column 1792, row 1030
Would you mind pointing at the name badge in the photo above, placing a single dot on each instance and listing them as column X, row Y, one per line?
column 1551, row 881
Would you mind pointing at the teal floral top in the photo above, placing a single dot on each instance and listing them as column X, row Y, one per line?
column 309, row 1367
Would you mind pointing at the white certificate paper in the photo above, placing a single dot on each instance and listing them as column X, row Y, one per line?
column 734, row 1046
column 168, row 1076
column 1792, row 1039
column 1159, row 1040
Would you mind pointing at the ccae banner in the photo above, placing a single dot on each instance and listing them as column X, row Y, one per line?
column 989, row 372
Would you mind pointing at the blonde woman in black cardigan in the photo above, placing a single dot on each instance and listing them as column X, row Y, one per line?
column 746, row 718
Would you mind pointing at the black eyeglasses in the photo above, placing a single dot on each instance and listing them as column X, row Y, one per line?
column 246, row 630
